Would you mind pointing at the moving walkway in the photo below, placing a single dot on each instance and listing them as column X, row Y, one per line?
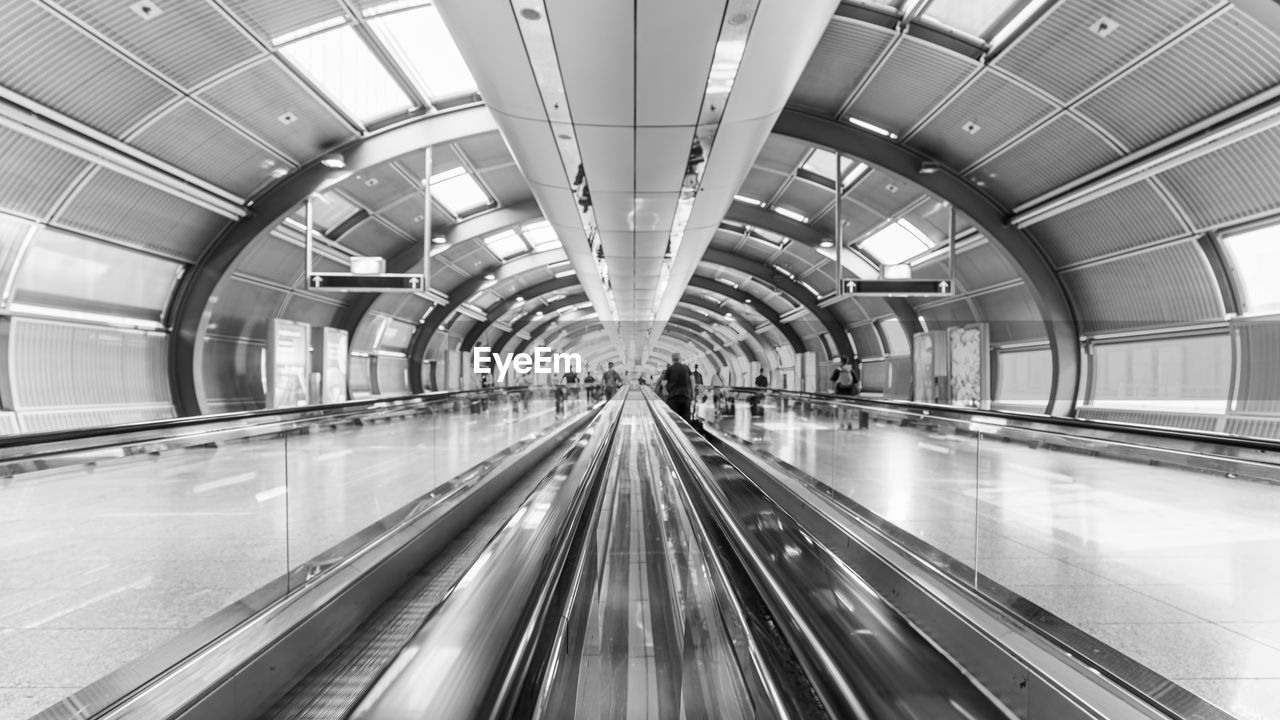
column 614, row 564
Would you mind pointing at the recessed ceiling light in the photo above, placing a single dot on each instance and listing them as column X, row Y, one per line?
column 439, row 240
column 489, row 276
column 334, row 160
column 971, row 127
column 747, row 301
column 739, row 18
column 891, row 188
column 826, row 244
column 287, row 118
column 145, row 9
column 371, row 182
column 530, row 14
column 1103, row 26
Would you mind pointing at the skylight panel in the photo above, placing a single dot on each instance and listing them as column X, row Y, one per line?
column 823, row 164
column 1256, row 255
column 506, row 244
column 421, row 45
column 458, row 192
column 896, row 244
column 345, row 69
column 859, row 266
column 541, row 235
column 789, row 213
column 973, row 17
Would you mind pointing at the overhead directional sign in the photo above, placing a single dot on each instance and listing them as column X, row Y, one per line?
column 901, row 286
column 350, row 282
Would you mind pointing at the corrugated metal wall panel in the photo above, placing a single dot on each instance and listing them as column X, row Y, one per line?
column 866, row 341
column 1060, row 151
column 241, row 309
column 61, row 365
column 113, row 206
column 507, row 184
column 45, row 58
column 188, row 42
column 258, row 95
column 273, row 259
column 1064, row 57
column 33, row 176
column 1206, row 423
column 9, row 424
column 761, row 184
column 377, row 187
column 393, row 374
column 70, row 419
column 1233, row 183
column 874, row 307
column 808, row 198
column 1166, row 286
column 272, row 18
column 885, row 193
column 406, row 213
column 191, row 138
column 956, row 312
column 1253, row 427
column 999, row 107
column 845, row 53
column 1229, row 59
column 233, row 374
column 1258, row 386
column 930, row 70
column 1129, row 217
column 781, row 153
column 983, row 266
column 371, row 237
column 1011, row 315
column 315, row 313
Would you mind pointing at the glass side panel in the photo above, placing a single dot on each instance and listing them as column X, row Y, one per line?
column 346, row 70
column 1189, row 375
column 1023, row 379
column 1254, row 256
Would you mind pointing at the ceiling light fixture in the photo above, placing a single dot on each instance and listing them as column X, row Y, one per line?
column 334, row 160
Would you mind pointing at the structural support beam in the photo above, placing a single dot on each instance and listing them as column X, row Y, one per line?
column 186, row 361
column 1043, row 283
column 791, row 288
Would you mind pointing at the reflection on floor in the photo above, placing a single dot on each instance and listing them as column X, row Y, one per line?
column 1178, row 569
column 101, row 564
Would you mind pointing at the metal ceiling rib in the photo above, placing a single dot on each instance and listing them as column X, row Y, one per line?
column 1233, row 184
column 929, row 70
column 34, row 176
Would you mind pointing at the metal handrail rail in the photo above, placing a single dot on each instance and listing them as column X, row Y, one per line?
column 890, row 672
column 1101, row 430
column 469, row 658
column 33, row 445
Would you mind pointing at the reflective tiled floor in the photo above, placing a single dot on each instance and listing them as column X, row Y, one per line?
column 101, row 564
column 1178, row 569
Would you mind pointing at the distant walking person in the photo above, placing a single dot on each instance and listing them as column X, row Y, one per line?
column 697, row 378
column 846, row 383
column 611, row 381
column 677, row 381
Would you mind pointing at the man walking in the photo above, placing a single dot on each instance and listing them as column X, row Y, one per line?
column 678, row 383
column 611, row 381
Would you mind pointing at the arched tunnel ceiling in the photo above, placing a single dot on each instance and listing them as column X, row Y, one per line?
column 1109, row 185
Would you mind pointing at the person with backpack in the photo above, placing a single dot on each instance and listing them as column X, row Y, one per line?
column 845, row 380
column 612, row 381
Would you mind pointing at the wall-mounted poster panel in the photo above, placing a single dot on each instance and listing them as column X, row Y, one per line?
column 288, row 364
column 331, row 358
column 970, row 370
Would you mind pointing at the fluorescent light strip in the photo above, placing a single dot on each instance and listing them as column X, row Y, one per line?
column 873, row 128
column 312, row 29
column 85, row 317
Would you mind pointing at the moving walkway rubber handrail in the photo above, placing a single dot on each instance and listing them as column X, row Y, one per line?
column 870, row 664
column 1101, row 430
column 470, row 657
column 33, row 444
